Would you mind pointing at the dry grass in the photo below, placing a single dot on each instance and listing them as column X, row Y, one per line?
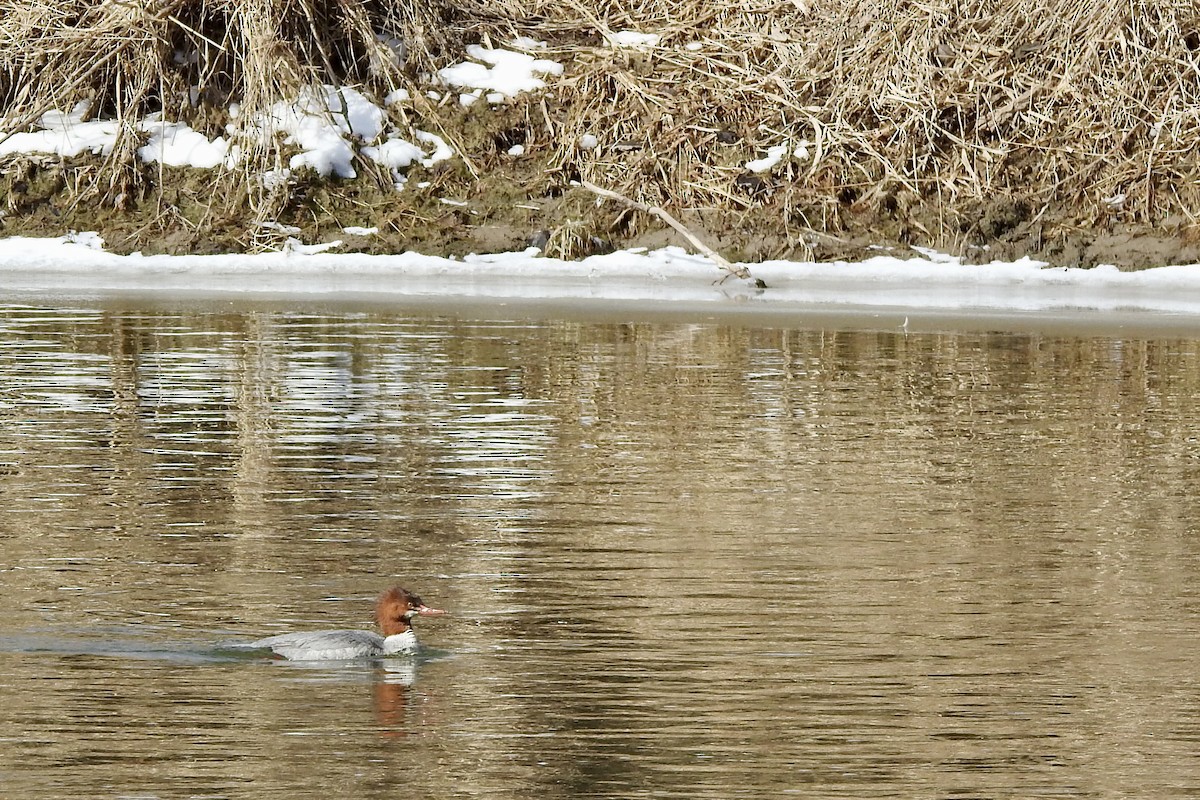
column 1091, row 106
column 191, row 58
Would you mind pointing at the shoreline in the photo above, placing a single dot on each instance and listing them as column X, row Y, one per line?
column 930, row 291
column 511, row 208
column 795, row 134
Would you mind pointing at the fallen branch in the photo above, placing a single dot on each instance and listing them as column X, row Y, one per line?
column 717, row 258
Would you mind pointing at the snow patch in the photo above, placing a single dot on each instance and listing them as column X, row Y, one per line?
column 330, row 125
column 502, row 73
column 89, row 239
column 777, row 153
column 634, row 40
column 441, row 150
column 319, row 123
column 397, row 96
column 66, row 135
column 766, row 164
column 395, row 153
column 175, row 144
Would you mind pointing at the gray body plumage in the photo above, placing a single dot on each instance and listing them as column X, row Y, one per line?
column 338, row 645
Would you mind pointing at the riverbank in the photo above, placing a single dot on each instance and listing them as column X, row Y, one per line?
column 807, row 132
column 884, row 292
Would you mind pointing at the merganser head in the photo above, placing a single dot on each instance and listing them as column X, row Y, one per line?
column 396, row 607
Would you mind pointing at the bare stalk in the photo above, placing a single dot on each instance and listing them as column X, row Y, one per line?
column 717, row 258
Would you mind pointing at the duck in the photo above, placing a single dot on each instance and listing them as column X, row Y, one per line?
column 394, row 611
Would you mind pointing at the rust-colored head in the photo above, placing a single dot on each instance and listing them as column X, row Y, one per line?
column 395, row 609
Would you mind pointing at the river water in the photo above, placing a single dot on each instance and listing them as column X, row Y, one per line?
column 683, row 559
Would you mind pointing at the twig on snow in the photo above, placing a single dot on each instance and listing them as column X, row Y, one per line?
column 717, row 258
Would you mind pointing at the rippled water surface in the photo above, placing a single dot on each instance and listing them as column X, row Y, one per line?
column 683, row 560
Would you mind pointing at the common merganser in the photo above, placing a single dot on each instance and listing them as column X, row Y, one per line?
column 394, row 611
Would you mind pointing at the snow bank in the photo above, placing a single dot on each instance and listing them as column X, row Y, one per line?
column 935, row 282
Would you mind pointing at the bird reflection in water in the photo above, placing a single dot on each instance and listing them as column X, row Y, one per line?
column 392, row 683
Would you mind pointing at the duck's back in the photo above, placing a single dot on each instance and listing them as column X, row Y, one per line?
column 324, row 645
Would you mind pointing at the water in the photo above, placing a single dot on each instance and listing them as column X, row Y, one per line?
column 684, row 560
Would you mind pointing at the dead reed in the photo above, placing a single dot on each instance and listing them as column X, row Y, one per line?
column 1093, row 106
column 196, row 60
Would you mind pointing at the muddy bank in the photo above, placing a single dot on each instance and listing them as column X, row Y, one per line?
column 488, row 199
column 510, row 204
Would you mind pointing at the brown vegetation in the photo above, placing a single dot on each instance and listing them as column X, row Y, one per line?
column 949, row 124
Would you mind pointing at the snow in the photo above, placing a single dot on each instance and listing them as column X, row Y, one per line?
column 664, row 278
column 441, row 150
column 528, row 43
column 502, row 73
column 320, row 123
column 329, row 125
column 66, row 134
column 633, row 39
column 177, row 145
column 774, row 156
column 395, row 153
column 280, row 227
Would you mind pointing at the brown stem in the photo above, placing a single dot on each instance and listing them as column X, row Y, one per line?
column 720, row 260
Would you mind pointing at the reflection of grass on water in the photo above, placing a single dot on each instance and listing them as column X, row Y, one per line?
column 945, row 125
